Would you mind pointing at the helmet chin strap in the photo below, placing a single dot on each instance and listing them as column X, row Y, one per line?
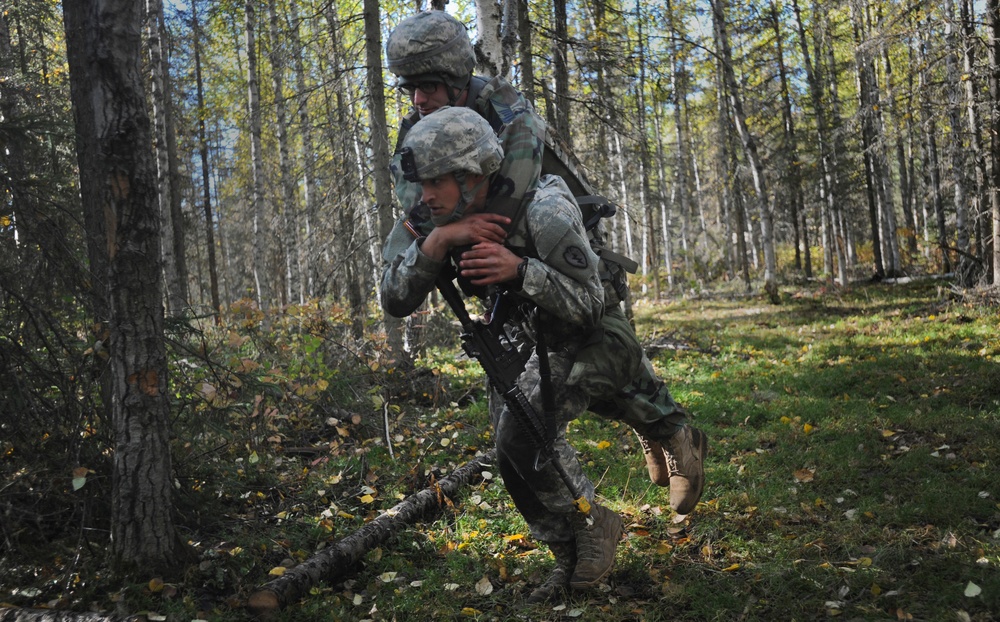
column 468, row 196
column 455, row 92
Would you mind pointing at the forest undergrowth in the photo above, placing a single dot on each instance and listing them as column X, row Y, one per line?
column 851, row 475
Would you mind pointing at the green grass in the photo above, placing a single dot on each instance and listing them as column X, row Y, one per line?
column 852, row 475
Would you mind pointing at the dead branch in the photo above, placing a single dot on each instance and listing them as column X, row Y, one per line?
column 330, row 564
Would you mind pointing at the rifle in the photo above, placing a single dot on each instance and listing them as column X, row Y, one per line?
column 484, row 341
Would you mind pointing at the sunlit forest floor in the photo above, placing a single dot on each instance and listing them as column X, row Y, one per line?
column 854, row 452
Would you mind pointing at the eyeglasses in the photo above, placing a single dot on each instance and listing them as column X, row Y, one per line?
column 427, row 88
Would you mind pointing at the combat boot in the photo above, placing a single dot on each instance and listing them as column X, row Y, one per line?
column 685, row 456
column 556, row 587
column 656, row 461
column 597, row 539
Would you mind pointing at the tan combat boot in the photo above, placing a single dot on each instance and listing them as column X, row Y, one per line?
column 685, row 457
column 556, row 587
column 597, row 539
column 656, row 461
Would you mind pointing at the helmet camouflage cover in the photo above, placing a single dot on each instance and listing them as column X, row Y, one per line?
column 452, row 140
column 431, row 44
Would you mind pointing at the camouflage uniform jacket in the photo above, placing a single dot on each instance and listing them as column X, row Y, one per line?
column 562, row 277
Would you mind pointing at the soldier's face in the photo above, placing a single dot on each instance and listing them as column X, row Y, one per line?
column 427, row 101
column 441, row 194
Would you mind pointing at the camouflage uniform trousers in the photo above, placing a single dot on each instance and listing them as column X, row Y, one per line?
column 541, row 495
column 583, row 378
column 622, row 385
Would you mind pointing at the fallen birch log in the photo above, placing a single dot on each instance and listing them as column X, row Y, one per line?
column 8, row 614
column 330, row 563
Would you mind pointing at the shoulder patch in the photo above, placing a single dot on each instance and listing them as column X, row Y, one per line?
column 575, row 257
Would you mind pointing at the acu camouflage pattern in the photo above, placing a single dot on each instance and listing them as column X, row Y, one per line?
column 431, row 45
column 521, row 132
column 452, row 140
column 594, row 366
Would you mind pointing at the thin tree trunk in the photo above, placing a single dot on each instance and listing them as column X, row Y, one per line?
column 826, row 185
column 213, row 270
column 993, row 49
column 524, row 51
column 258, row 209
column 171, row 218
column 932, row 167
column 956, row 147
column 679, row 93
column 288, row 210
column 793, row 178
column 644, row 163
column 303, row 244
column 560, row 71
column 380, row 147
column 978, row 205
column 750, row 147
column 873, row 172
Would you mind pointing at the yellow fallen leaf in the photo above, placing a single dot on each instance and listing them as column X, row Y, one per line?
column 367, row 499
column 663, row 548
column 876, row 590
column 277, row 571
column 469, row 611
column 513, row 537
column 603, row 445
column 864, row 562
column 786, row 420
column 807, row 428
column 156, row 585
column 731, row 568
column 888, row 433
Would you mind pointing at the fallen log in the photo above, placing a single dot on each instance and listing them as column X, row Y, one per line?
column 330, row 563
column 10, row 614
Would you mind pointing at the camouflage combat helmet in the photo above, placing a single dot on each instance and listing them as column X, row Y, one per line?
column 455, row 141
column 431, row 45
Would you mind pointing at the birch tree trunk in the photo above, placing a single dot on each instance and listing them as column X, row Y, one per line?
column 489, row 52
column 118, row 190
column 750, row 148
